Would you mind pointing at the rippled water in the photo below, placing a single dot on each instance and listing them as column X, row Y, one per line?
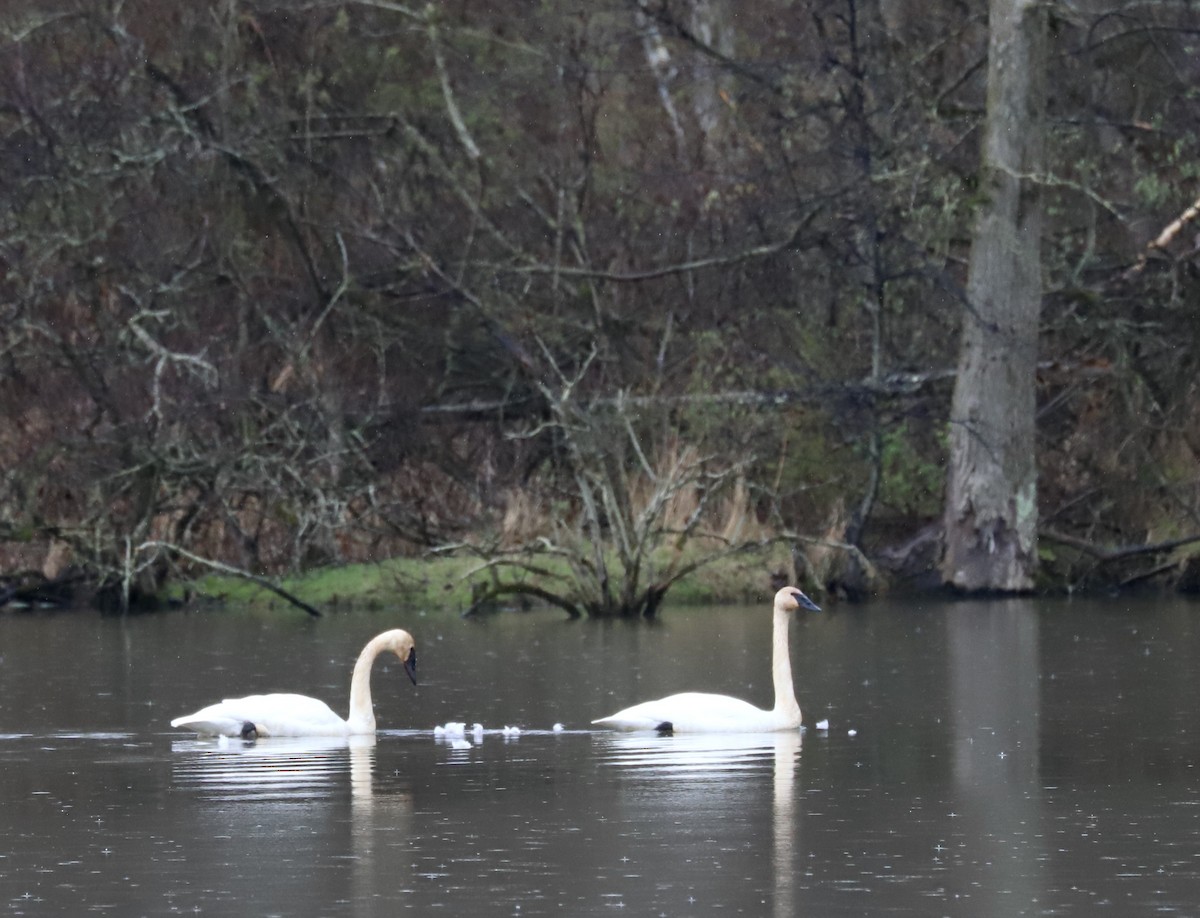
column 1008, row 758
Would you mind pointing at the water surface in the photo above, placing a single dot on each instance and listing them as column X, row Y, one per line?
column 1004, row 758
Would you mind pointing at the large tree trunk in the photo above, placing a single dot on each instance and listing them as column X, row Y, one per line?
column 991, row 496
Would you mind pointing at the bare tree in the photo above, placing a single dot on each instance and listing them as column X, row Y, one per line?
column 991, row 495
column 641, row 513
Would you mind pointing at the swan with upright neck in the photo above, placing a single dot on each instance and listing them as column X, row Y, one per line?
column 283, row 714
column 702, row 712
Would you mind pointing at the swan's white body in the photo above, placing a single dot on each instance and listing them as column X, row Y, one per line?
column 701, row 712
column 284, row 714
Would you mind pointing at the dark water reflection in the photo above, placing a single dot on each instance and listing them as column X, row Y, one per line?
column 1007, row 758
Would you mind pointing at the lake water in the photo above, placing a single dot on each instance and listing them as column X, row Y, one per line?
column 1021, row 757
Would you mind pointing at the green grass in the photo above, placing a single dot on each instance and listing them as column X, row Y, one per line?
column 444, row 583
column 406, row 582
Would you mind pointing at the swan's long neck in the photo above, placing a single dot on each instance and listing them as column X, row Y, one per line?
column 362, row 713
column 786, row 707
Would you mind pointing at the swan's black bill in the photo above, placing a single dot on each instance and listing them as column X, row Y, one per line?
column 805, row 602
column 410, row 665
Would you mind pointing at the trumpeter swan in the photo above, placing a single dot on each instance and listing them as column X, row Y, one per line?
column 701, row 712
column 298, row 715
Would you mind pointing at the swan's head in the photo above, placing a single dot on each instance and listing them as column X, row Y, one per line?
column 401, row 643
column 791, row 599
column 251, row 731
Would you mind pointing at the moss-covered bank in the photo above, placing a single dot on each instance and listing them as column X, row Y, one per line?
column 453, row 582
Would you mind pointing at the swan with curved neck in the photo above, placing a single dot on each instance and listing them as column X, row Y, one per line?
column 701, row 712
column 284, row 714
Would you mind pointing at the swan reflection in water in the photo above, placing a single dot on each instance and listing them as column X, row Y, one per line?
column 271, row 777
column 277, row 768
column 714, row 753
column 715, row 758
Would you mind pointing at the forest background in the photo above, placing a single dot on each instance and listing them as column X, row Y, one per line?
column 593, row 295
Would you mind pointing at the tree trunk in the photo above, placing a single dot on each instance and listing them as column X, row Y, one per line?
column 991, row 495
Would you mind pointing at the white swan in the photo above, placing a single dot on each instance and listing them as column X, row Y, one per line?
column 701, row 712
column 257, row 716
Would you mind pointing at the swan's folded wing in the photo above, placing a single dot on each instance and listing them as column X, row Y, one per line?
column 693, row 712
column 639, row 717
column 273, row 715
column 215, row 720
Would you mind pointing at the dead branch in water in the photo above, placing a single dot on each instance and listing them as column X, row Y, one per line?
column 1106, row 554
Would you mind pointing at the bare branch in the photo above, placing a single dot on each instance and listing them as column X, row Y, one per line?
column 455, row 116
column 224, row 568
column 1106, row 553
column 1164, row 239
column 699, row 264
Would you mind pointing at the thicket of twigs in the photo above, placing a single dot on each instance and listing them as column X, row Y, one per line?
column 635, row 284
